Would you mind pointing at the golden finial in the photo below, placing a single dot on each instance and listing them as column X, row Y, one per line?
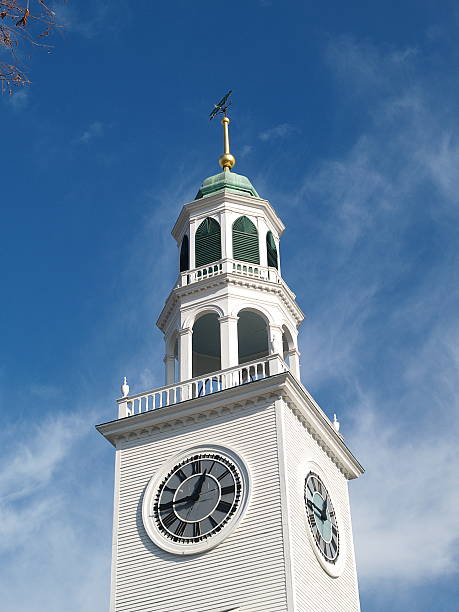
column 226, row 160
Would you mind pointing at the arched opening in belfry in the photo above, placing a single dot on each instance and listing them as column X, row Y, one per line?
column 245, row 241
column 252, row 336
column 206, row 345
column 208, row 242
column 185, row 254
column 287, row 344
column 271, row 251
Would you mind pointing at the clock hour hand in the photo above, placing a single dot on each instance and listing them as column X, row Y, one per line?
column 317, row 509
column 323, row 512
column 183, row 499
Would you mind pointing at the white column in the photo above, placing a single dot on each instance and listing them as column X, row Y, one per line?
column 275, row 337
column 169, row 362
column 262, row 231
column 185, row 354
column 191, row 234
column 225, row 227
column 228, row 342
column 294, row 362
column 277, row 241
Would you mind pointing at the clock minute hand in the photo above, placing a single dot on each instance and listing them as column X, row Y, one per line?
column 197, row 488
column 200, row 484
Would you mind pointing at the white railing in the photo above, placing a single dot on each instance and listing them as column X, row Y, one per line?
column 226, row 266
column 201, row 386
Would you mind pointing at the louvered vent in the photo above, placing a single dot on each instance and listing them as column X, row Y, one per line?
column 208, row 242
column 271, row 250
column 185, row 255
column 245, row 241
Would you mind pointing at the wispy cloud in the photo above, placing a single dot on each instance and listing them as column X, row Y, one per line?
column 385, row 330
column 94, row 130
column 279, row 131
column 45, row 391
column 18, row 100
column 246, row 150
column 50, row 534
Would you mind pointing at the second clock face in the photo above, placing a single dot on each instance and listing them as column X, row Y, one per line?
column 197, row 497
column 321, row 517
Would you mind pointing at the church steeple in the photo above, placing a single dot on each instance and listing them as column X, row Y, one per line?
column 230, row 305
column 231, row 482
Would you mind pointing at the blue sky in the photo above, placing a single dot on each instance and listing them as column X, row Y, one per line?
column 345, row 118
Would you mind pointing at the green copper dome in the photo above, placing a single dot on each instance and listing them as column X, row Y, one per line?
column 226, row 180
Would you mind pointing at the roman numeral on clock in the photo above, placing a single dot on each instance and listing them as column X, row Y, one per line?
column 180, row 529
column 196, row 467
column 213, row 522
column 196, row 530
column 227, row 490
column 223, row 506
column 181, row 474
column 222, row 475
column 169, row 520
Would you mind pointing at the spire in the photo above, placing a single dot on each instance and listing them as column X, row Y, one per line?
column 226, row 160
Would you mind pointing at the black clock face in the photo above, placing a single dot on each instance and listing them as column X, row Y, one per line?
column 197, row 498
column 321, row 517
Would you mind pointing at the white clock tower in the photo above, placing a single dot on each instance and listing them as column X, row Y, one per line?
column 230, row 481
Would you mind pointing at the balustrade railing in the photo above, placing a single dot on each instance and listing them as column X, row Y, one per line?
column 201, row 386
column 228, row 266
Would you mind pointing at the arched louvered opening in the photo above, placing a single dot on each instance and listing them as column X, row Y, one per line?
column 206, row 345
column 185, row 254
column 271, row 250
column 208, row 243
column 245, row 241
column 252, row 335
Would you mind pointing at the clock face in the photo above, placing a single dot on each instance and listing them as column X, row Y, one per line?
column 321, row 517
column 197, row 498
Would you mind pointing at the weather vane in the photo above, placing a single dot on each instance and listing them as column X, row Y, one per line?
column 226, row 160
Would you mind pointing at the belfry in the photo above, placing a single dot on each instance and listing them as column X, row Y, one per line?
column 231, row 486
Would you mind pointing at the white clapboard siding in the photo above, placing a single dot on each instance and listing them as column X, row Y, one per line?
column 247, row 569
column 315, row 590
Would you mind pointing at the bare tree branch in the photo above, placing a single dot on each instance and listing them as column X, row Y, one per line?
column 22, row 22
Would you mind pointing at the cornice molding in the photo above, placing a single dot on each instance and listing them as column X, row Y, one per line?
column 230, row 401
column 281, row 289
column 225, row 199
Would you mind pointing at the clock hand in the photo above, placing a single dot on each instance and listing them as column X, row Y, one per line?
column 197, row 491
column 323, row 514
column 199, row 485
column 316, row 507
column 183, row 499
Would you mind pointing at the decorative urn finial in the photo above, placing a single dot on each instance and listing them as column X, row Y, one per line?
column 335, row 423
column 125, row 388
column 226, row 160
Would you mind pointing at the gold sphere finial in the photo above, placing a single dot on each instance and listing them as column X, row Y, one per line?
column 227, row 161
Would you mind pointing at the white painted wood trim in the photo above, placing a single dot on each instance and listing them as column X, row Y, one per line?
column 116, row 496
column 285, row 505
